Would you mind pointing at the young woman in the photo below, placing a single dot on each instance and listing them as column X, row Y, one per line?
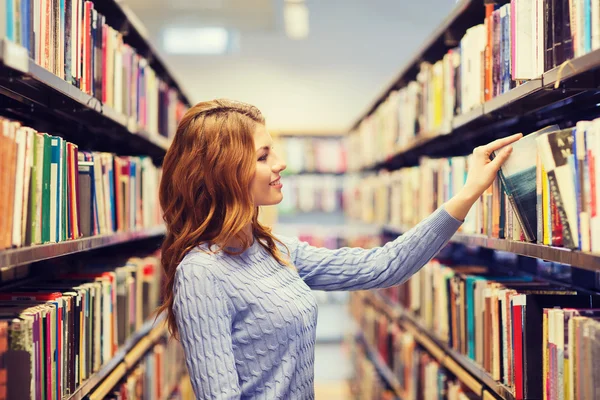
column 238, row 297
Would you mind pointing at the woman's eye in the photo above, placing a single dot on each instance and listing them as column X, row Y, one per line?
column 263, row 158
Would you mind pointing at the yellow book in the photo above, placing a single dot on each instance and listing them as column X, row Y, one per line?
column 546, row 208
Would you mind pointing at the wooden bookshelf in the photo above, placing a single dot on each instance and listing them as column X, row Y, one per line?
column 466, row 370
column 575, row 258
column 380, row 366
column 519, row 110
column 30, row 254
column 100, row 383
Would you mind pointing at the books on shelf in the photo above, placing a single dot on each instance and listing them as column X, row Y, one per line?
column 71, row 39
column 311, row 193
column 57, row 192
column 504, row 323
column 157, row 376
column 516, row 42
column 62, row 331
column 418, row 373
column 546, row 192
column 312, row 154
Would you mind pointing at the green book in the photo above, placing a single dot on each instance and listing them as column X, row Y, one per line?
column 33, row 197
column 46, row 189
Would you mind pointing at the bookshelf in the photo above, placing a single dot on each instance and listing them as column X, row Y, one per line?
column 472, row 375
column 561, row 255
column 39, row 99
column 562, row 89
column 380, row 366
column 31, row 254
column 128, row 354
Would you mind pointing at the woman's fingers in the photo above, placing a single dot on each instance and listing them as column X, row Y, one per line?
column 499, row 143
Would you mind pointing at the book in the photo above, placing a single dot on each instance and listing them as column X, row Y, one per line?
column 518, row 175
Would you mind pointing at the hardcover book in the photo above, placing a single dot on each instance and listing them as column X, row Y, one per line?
column 518, row 176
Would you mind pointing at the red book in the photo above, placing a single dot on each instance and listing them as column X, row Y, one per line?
column 37, row 296
column 104, row 39
column 88, row 46
column 517, row 323
column 557, row 235
column 488, row 83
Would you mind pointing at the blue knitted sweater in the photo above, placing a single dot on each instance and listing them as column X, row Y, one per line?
column 247, row 324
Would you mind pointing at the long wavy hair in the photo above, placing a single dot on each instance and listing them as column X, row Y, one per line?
column 205, row 187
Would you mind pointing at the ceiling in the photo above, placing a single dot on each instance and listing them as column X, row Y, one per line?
column 320, row 84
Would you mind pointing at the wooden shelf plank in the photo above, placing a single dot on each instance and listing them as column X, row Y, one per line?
column 26, row 255
column 384, row 371
column 584, row 260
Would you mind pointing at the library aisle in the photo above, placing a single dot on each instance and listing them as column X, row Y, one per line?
column 221, row 199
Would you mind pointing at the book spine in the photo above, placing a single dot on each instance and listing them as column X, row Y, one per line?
column 548, row 36
column 567, row 34
column 539, row 200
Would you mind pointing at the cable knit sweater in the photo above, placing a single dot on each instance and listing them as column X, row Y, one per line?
column 247, row 324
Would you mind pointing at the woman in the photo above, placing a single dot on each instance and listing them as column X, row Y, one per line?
column 238, row 297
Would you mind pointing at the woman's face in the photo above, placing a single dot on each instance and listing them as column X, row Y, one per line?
column 266, row 184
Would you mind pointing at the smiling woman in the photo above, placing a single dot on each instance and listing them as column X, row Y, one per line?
column 240, row 298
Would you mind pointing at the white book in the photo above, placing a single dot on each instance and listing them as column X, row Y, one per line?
column 99, row 194
column 584, row 214
column 540, row 42
column 595, row 18
column 74, row 39
column 17, row 216
column 563, row 178
column 118, row 75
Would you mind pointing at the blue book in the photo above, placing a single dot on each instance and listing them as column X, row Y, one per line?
column 587, row 26
column 10, row 20
column 518, row 175
column 25, row 13
column 470, row 311
column 132, row 192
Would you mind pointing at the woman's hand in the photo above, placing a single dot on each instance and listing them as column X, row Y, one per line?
column 482, row 172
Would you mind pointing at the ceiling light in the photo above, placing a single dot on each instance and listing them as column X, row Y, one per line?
column 187, row 40
column 295, row 16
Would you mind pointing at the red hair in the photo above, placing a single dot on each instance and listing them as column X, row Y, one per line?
column 205, row 187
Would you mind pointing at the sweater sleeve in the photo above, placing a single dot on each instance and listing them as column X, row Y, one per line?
column 380, row 267
column 203, row 315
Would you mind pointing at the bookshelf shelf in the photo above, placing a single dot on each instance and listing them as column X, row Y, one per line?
column 147, row 335
column 382, row 369
column 460, row 121
column 573, row 69
column 575, row 258
column 471, row 374
column 45, row 97
column 499, row 103
column 26, row 255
